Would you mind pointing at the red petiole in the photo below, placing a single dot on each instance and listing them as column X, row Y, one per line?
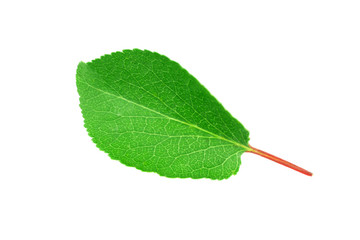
column 279, row 160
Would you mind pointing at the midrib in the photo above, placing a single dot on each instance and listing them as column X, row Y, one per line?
column 170, row 118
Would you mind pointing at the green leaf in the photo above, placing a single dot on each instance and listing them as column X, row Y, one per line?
column 148, row 112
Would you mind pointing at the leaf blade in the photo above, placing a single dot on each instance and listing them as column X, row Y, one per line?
column 119, row 95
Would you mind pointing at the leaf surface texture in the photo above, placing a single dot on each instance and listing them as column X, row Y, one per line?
column 148, row 112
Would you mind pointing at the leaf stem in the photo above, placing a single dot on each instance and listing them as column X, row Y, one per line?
column 279, row 160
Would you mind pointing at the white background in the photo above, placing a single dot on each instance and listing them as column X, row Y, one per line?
column 288, row 70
